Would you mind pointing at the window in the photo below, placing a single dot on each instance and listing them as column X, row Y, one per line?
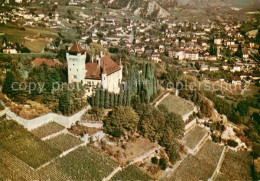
column 75, row 76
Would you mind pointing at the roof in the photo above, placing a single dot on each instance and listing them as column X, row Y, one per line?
column 76, row 48
column 39, row 61
column 93, row 71
column 107, row 66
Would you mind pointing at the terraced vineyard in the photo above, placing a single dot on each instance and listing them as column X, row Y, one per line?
column 47, row 129
column 24, row 145
column 201, row 166
column 86, row 163
column 176, row 105
column 131, row 173
column 193, row 137
column 236, row 166
column 64, row 142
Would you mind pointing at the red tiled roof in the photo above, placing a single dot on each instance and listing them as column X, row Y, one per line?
column 93, row 71
column 39, row 61
column 76, row 48
column 107, row 66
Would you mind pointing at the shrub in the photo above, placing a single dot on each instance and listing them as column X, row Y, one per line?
column 232, row 143
column 163, row 163
column 154, row 160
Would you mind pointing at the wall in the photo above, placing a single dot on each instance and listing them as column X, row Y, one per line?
column 37, row 122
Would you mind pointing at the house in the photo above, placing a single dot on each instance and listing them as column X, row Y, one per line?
column 156, row 57
column 236, row 81
column 204, row 67
column 176, row 53
column 235, row 69
column 245, row 54
column 101, row 72
column 218, row 41
column 191, row 55
column 213, row 69
column 10, row 50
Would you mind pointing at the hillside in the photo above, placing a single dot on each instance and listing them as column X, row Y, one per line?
column 146, row 9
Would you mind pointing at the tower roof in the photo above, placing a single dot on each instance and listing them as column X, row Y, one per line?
column 76, row 48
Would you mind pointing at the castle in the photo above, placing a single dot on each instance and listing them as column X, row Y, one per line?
column 101, row 72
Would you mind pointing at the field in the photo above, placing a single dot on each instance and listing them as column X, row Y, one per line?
column 236, row 166
column 176, row 105
column 64, row 142
column 24, row 145
column 201, row 166
column 47, row 129
column 131, row 173
column 86, row 163
column 192, row 138
column 36, row 45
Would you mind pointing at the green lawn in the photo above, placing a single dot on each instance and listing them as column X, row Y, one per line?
column 201, row 166
column 47, row 129
column 64, row 142
column 86, row 163
column 236, row 166
column 192, row 138
column 131, row 173
column 21, row 143
column 176, row 105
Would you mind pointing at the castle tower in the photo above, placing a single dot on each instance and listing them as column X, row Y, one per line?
column 76, row 57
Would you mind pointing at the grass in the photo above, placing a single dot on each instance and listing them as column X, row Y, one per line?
column 131, row 173
column 176, row 105
column 86, row 163
column 47, row 129
column 24, row 145
column 64, row 142
column 201, row 166
column 236, row 166
column 192, row 138
column 17, row 35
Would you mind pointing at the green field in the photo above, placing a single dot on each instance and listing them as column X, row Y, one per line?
column 201, row 166
column 64, row 142
column 176, row 105
column 17, row 35
column 86, row 163
column 131, row 173
column 47, row 129
column 252, row 90
column 24, row 145
column 236, row 166
column 192, row 138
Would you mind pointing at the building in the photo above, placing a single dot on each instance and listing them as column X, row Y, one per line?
column 101, row 72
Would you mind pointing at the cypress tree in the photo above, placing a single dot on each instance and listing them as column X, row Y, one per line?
column 106, row 105
column 97, row 98
column 102, row 98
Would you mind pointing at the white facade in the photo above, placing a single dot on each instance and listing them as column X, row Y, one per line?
column 76, row 67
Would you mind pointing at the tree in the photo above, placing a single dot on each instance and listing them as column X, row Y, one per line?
column 8, row 85
column 120, row 121
column 25, row 50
